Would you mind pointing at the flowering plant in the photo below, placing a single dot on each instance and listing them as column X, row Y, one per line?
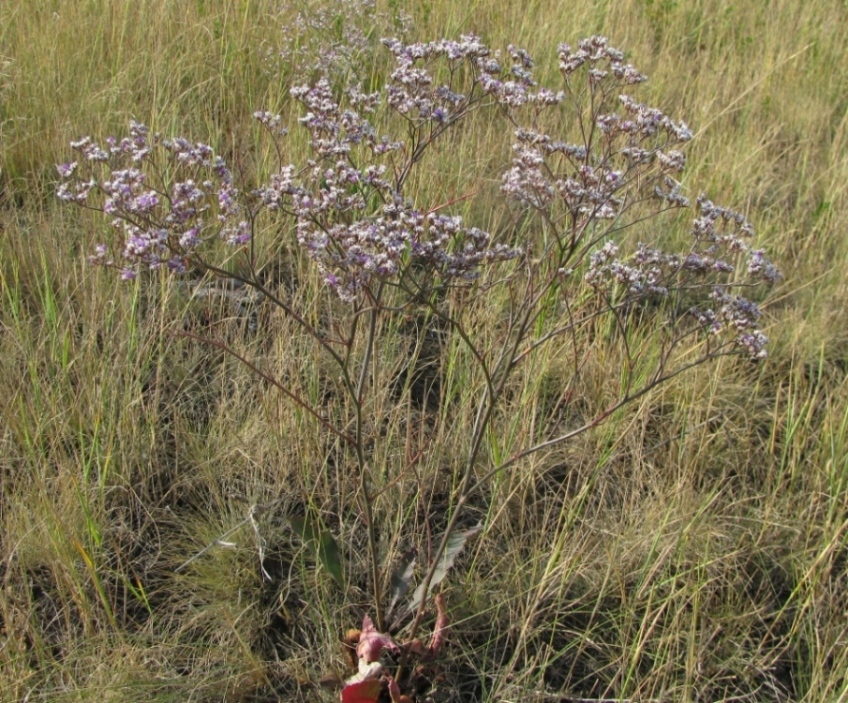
column 388, row 253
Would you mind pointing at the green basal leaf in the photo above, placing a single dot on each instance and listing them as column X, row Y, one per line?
column 456, row 541
column 402, row 579
column 322, row 543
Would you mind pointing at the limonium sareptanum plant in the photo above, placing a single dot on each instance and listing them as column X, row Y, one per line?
column 350, row 207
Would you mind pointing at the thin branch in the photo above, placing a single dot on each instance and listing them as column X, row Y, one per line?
column 270, row 379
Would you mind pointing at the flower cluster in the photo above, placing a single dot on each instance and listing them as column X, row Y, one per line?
column 602, row 60
column 354, row 221
column 619, row 155
column 515, row 87
column 708, row 265
column 413, row 91
column 354, row 245
column 331, row 40
column 618, row 165
column 554, row 174
column 740, row 316
column 335, row 132
column 158, row 223
column 624, row 169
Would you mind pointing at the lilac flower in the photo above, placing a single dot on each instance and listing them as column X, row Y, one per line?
column 77, row 192
column 672, row 161
column 754, row 343
column 90, row 150
column 275, row 194
column 741, row 316
column 761, row 268
column 271, row 122
column 189, row 239
column 652, row 272
column 144, row 203
column 67, row 170
column 237, row 235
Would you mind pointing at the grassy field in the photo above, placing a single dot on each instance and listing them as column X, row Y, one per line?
column 694, row 547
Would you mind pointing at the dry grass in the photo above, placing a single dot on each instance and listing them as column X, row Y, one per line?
column 694, row 548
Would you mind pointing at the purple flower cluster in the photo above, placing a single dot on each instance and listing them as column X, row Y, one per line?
column 709, row 265
column 740, row 316
column 414, row 93
column 331, row 39
column 602, row 61
column 618, row 158
column 399, row 237
column 353, row 220
column 616, row 164
column 622, row 169
column 334, row 131
column 157, row 222
column 554, row 174
column 515, row 87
